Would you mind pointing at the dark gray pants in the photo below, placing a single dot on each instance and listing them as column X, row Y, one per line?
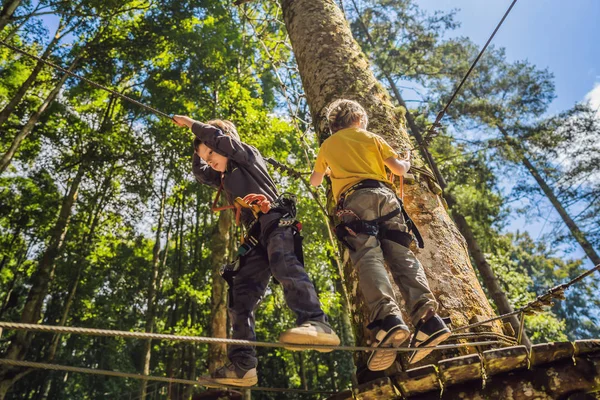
column 275, row 256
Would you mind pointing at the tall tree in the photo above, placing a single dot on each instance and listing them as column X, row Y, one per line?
column 323, row 43
column 502, row 96
column 7, row 11
column 407, row 45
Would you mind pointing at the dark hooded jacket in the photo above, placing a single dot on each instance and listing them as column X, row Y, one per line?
column 246, row 170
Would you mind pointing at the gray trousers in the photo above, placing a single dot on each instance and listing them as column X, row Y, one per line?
column 274, row 256
column 371, row 254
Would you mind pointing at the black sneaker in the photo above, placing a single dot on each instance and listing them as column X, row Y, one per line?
column 428, row 334
column 393, row 333
column 232, row 375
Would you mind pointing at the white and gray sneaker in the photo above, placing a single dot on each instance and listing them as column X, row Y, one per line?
column 231, row 375
column 428, row 333
column 393, row 333
column 311, row 332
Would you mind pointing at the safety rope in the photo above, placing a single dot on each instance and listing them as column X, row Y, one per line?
column 283, row 86
column 284, row 168
column 557, row 292
column 86, row 80
column 441, row 114
column 202, row 339
column 119, row 374
column 273, row 162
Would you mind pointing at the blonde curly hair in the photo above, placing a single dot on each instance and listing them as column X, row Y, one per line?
column 344, row 113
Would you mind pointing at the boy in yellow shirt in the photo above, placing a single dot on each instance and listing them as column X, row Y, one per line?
column 376, row 229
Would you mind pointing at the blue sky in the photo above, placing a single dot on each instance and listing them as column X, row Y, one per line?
column 555, row 34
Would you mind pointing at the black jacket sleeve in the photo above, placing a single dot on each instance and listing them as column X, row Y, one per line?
column 204, row 173
column 223, row 144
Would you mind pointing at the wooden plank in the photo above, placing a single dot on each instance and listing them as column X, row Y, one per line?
column 586, row 346
column 381, row 388
column 417, row 380
column 544, row 353
column 460, row 369
column 507, row 359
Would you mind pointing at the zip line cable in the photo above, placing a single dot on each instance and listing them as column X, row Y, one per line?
column 86, row 80
column 462, row 82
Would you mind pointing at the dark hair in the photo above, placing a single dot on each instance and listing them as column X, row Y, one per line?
column 227, row 127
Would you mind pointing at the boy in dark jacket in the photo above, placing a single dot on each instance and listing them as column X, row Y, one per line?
column 221, row 160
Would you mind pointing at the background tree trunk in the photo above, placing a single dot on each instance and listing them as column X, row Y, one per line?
column 40, row 282
column 332, row 66
column 572, row 225
column 26, row 130
column 7, row 11
column 217, row 353
column 16, row 99
column 152, row 288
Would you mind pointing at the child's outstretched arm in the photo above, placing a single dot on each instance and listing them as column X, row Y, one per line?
column 215, row 139
column 320, row 170
column 398, row 167
column 316, row 178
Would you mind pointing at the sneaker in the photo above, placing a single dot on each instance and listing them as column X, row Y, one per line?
column 428, row 333
column 311, row 332
column 231, row 375
column 393, row 333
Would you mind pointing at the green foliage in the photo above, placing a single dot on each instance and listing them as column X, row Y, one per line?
column 202, row 58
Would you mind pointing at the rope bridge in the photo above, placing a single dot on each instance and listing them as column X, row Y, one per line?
column 556, row 292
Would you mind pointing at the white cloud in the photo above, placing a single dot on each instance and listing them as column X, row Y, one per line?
column 593, row 97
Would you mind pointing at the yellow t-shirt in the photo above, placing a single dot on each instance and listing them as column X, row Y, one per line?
column 353, row 154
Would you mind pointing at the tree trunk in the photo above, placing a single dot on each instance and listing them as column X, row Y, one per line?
column 152, row 285
column 7, row 11
column 40, row 282
column 572, row 225
column 8, row 156
column 83, row 251
column 16, row 99
column 217, row 353
column 332, row 66
column 490, row 280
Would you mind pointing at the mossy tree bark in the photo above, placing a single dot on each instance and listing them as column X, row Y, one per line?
column 332, row 66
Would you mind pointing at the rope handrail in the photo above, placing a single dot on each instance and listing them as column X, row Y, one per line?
column 556, row 292
column 211, row 340
column 119, row 374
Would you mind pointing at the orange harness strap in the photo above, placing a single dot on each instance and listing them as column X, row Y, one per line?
column 255, row 202
column 236, row 206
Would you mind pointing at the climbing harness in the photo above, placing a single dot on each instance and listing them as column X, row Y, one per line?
column 259, row 205
column 373, row 227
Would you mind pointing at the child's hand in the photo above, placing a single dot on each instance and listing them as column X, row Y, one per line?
column 183, row 121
